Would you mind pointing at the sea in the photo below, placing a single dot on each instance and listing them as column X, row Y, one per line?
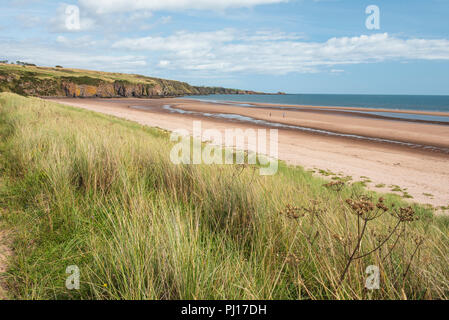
column 393, row 102
column 389, row 102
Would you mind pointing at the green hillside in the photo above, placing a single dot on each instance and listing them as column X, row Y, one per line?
column 61, row 82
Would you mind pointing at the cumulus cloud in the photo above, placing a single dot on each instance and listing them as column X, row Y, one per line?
column 230, row 51
column 110, row 6
column 182, row 42
column 227, row 51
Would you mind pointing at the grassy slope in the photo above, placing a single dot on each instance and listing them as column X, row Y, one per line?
column 52, row 77
column 98, row 192
column 49, row 73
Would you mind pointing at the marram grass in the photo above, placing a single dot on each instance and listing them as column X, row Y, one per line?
column 81, row 188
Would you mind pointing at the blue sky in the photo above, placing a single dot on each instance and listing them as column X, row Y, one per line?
column 296, row 46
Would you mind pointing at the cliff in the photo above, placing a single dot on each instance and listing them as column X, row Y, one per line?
column 61, row 82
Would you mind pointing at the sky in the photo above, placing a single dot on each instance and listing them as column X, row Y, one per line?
column 293, row 46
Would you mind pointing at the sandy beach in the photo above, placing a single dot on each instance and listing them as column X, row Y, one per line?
column 416, row 159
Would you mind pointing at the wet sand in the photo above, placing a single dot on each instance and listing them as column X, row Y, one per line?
column 422, row 171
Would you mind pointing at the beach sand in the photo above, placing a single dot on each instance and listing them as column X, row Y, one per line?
column 422, row 173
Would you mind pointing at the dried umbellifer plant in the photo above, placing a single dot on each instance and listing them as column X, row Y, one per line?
column 335, row 185
column 366, row 210
column 313, row 213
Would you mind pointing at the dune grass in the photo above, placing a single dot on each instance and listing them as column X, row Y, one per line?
column 85, row 189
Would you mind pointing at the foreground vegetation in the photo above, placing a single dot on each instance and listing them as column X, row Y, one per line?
column 63, row 82
column 80, row 188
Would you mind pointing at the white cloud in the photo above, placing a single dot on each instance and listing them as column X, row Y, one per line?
column 182, row 42
column 111, row 6
column 224, row 52
column 337, row 71
column 268, row 35
column 45, row 55
column 164, row 63
column 165, row 19
column 276, row 53
column 78, row 42
column 61, row 39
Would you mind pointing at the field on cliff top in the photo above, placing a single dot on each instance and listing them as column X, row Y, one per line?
column 47, row 81
column 50, row 73
column 90, row 190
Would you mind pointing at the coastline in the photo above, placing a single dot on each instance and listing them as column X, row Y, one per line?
column 424, row 174
column 423, row 133
column 336, row 108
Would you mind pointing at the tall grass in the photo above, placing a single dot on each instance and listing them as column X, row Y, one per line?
column 101, row 193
